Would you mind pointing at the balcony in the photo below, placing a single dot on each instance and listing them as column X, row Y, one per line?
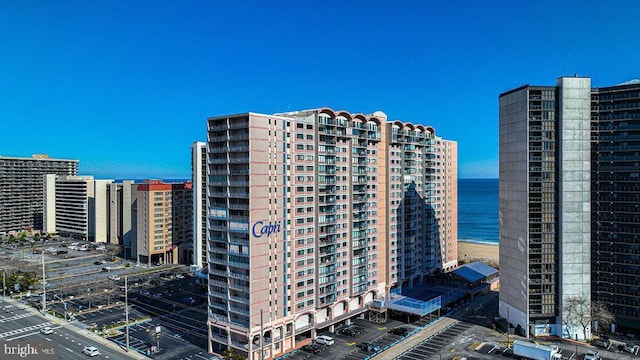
column 224, row 171
column 219, row 273
column 218, row 161
column 240, row 276
column 238, row 206
column 238, row 287
column 327, row 250
column 239, row 160
column 236, row 310
column 239, row 125
column 360, row 198
column 359, row 244
column 361, row 180
column 218, row 306
column 327, row 259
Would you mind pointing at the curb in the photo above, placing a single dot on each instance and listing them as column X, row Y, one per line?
column 72, row 326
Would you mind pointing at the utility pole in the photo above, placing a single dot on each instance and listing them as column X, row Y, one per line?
column 44, row 288
column 508, row 327
column 261, row 336
column 4, row 285
column 126, row 311
column 63, row 303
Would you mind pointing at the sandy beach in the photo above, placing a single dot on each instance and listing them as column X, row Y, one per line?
column 473, row 251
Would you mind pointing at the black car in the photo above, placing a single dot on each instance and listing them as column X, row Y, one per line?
column 400, row 331
column 312, row 348
column 351, row 331
column 603, row 343
column 369, row 346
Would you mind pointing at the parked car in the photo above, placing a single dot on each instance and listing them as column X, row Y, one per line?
column 324, row 340
column 188, row 300
column 312, row 348
column 592, row 355
column 603, row 343
column 630, row 348
column 114, row 277
column 351, row 331
column 91, row 351
column 46, row 330
column 369, row 346
column 402, row 331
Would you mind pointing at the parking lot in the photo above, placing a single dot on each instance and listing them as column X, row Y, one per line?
column 87, row 287
column 168, row 299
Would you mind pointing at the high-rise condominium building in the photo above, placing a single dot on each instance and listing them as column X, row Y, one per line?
column 162, row 222
column 313, row 214
column 182, row 199
column 544, row 203
column 199, row 180
column 615, row 200
column 76, row 207
column 122, row 221
column 568, row 185
column 21, row 189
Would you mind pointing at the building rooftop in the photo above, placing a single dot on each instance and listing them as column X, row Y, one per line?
column 630, row 82
column 474, row 271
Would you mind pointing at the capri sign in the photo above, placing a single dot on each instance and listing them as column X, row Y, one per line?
column 259, row 228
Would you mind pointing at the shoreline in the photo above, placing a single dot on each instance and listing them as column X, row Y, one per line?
column 481, row 242
column 478, row 251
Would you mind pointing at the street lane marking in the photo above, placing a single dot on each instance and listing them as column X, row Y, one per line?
column 21, row 316
column 23, row 330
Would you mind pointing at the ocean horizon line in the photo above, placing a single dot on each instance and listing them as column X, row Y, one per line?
column 481, row 242
column 478, row 178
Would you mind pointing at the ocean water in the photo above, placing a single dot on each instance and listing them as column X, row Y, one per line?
column 478, row 210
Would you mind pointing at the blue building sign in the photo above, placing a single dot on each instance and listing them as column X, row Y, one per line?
column 259, row 228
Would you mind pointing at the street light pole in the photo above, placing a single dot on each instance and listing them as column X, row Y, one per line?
column 4, row 285
column 65, row 306
column 508, row 327
column 44, row 288
column 126, row 311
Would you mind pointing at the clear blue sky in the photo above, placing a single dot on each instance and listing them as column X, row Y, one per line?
column 126, row 86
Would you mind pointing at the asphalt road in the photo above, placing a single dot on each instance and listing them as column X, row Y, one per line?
column 67, row 341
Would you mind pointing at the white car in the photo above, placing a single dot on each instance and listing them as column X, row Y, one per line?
column 324, row 339
column 46, row 330
column 114, row 277
column 91, row 351
column 592, row 355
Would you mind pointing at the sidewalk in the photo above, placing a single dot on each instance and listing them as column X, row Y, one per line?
column 431, row 330
column 75, row 327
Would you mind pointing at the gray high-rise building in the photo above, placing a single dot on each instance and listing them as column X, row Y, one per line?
column 22, row 189
column 615, row 200
column 545, row 217
column 199, row 180
column 569, row 203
